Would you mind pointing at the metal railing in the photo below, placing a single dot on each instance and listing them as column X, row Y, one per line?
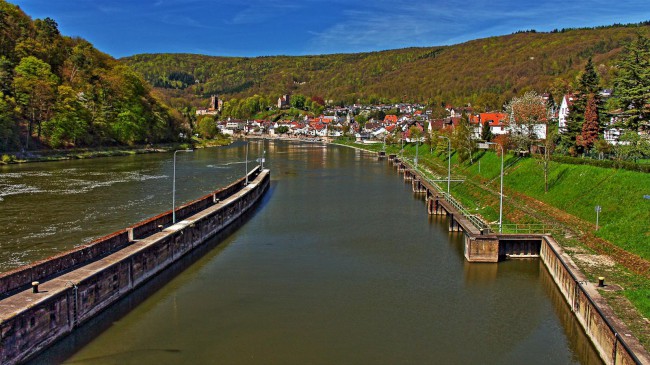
column 532, row 228
column 475, row 219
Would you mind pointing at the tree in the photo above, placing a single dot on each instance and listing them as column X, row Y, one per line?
column 549, row 148
column 8, row 132
column 633, row 147
column 632, row 82
column 588, row 84
column 462, row 140
column 283, row 129
column 526, row 113
column 589, row 80
column 207, row 127
column 486, row 131
column 69, row 122
column 298, row 101
column 34, row 85
column 590, row 126
column 602, row 147
column 79, row 61
column 415, row 133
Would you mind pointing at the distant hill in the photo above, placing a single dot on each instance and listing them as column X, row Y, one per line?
column 58, row 91
column 485, row 72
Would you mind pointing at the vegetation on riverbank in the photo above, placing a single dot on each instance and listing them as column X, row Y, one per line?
column 618, row 250
column 85, row 153
column 61, row 92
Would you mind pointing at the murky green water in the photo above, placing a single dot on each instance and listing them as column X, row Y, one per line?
column 340, row 264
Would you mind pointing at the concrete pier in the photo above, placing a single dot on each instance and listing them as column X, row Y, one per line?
column 71, row 291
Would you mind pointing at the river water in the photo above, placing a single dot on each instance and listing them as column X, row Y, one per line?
column 340, row 264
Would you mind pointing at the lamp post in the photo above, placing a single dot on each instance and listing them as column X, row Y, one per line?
column 246, row 164
column 486, row 146
column 416, row 153
column 174, row 186
column 448, row 162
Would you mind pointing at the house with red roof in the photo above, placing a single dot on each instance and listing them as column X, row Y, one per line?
column 448, row 123
column 496, row 120
column 390, row 119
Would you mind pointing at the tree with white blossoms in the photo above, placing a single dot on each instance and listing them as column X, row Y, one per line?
column 526, row 114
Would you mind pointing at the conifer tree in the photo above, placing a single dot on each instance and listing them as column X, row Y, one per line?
column 486, row 131
column 632, row 84
column 588, row 84
column 590, row 127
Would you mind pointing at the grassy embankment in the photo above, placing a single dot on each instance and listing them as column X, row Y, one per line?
column 619, row 250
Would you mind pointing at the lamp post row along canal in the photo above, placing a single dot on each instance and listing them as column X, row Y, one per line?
column 174, row 186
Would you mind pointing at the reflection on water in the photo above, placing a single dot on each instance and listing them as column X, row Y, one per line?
column 340, row 264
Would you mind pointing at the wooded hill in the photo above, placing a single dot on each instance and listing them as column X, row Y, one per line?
column 58, row 91
column 484, row 72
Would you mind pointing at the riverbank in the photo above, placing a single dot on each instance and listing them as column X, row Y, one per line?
column 10, row 158
column 628, row 292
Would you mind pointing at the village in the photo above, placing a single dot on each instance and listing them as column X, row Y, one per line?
column 394, row 122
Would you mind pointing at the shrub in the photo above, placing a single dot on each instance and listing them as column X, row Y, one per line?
column 8, row 158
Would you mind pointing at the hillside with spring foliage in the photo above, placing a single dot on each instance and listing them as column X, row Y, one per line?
column 58, row 91
column 484, row 72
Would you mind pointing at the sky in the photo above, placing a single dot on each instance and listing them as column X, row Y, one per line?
column 250, row 28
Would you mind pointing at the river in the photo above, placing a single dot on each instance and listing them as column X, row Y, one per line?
column 340, row 263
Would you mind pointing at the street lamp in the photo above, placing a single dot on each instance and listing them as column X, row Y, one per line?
column 246, row 163
column 485, row 146
column 448, row 161
column 174, row 186
column 417, row 143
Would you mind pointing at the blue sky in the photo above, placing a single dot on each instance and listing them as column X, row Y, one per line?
column 300, row 27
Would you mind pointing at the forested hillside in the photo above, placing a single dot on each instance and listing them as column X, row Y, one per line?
column 58, row 91
column 485, row 72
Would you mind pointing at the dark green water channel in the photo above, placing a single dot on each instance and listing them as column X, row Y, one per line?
column 340, row 264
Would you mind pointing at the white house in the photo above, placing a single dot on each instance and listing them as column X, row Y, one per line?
column 563, row 114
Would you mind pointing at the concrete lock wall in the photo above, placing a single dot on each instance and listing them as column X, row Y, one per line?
column 30, row 322
column 481, row 249
column 22, row 277
column 608, row 334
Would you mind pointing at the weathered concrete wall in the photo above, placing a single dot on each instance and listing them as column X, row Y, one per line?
column 609, row 335
column 23, row 276
column 29, row 322
column 481, row 248
column 46, row 269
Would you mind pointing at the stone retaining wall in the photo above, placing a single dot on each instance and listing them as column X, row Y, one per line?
column 609, row 335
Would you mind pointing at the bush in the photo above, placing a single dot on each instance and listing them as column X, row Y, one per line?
column 8, row 159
